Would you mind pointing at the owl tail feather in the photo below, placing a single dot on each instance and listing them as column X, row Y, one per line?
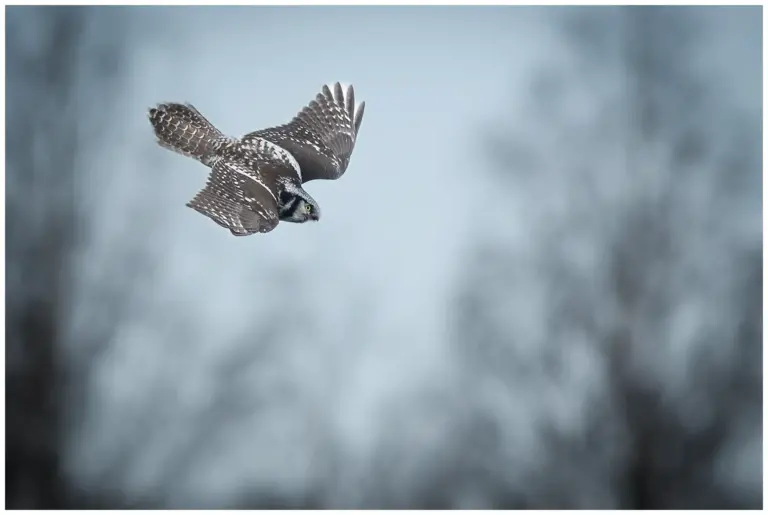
column 181, row 128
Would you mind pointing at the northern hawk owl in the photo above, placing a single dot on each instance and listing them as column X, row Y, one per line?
column 256, row 181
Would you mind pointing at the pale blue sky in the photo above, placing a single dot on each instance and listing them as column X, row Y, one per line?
column 393, row 229
column 367, row 292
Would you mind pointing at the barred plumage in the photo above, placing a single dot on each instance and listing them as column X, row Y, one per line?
column 257, row 180
column 322, row 136
column 181, row 128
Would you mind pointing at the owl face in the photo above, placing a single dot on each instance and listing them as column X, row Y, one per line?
column 299, row 207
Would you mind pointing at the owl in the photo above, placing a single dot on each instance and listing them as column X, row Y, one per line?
column 257, row 180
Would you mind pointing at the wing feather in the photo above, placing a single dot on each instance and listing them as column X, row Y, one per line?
column 232, row 199
column 338, row 94
column 359, row 117
column 322, row 135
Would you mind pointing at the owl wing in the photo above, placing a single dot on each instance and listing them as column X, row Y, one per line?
column 322, row 136
column 235, row 199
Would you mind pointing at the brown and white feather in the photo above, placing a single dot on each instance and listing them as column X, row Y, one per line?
column 255, row 181
column 322, row 135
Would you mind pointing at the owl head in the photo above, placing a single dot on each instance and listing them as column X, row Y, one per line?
column 298, row 206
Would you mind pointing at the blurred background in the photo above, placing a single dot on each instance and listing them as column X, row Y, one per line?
column 538, row 285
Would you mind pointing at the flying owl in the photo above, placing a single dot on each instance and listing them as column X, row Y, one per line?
column 257, row 180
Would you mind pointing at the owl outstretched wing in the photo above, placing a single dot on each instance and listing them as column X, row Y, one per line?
column 322, row 136
column 234, row 200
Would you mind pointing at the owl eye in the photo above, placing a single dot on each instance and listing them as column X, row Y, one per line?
column 308, row 207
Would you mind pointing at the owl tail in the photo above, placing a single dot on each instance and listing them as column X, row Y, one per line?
column 181, row 128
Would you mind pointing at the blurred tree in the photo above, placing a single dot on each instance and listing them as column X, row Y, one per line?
column 40, row 226
column 682, row 253
column 263, row 421
column 617, row 328
column 45, row 66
